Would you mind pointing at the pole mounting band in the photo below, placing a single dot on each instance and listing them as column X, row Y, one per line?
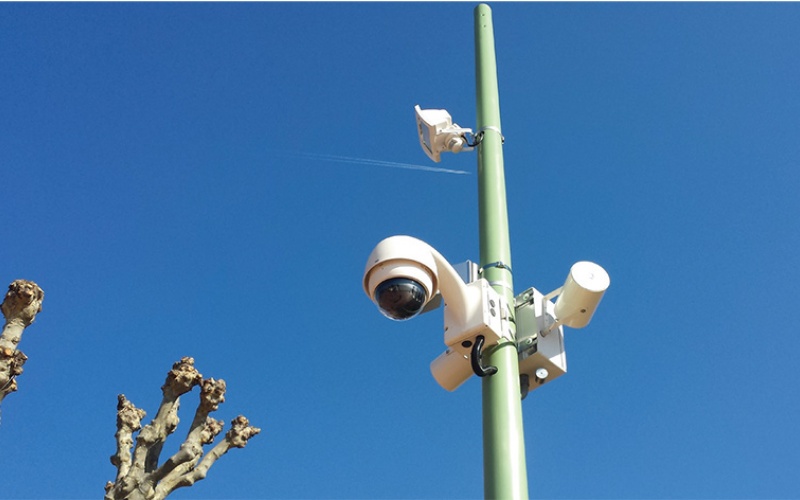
column 499, row 265
column 492, row 127
column 477, row 137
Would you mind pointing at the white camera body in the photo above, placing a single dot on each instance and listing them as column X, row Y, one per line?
column 403, row 275
column 486, row 315
column 437, row 133
column 483, row 314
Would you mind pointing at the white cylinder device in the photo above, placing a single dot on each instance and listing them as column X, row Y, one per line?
column 585, row 286
column 451, row 369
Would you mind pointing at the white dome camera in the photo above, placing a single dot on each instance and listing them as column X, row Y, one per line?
column 404, row 275
column 401, row 277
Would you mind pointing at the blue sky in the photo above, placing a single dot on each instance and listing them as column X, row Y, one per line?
column 168, row 181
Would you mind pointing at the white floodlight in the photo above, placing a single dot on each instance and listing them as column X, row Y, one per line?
column 438, row 133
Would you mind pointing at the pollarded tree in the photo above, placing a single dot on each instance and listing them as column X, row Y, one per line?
column 139, row 475
column 20, row 307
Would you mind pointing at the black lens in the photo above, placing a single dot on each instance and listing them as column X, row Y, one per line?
column 400, row 298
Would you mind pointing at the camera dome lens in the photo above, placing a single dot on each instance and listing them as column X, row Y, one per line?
column 400, row 298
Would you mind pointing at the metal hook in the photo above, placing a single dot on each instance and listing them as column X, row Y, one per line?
column 475, row 359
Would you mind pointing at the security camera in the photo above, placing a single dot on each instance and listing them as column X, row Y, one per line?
column 581, row 293
column 401, row 277
column 437, row 133
column 404, row 276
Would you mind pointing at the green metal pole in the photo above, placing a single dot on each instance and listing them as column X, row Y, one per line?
column 505, row 474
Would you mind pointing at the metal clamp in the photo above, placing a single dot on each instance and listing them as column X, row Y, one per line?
column 498, row 265
column 478, row 136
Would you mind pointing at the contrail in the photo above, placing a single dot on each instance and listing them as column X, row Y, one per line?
column 379, row 163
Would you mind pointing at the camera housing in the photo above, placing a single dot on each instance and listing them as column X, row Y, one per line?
column 482, row 311
column 405, row 277
column 401, row 277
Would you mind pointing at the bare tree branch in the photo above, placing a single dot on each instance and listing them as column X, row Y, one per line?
column 21, row 305
column 139, row 477
column 129, row 420
column 180, row 380
column 241, row 431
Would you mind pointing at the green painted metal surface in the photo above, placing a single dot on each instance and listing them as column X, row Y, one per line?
column 505, row 473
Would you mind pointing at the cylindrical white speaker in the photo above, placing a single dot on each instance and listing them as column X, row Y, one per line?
column 585, row 286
